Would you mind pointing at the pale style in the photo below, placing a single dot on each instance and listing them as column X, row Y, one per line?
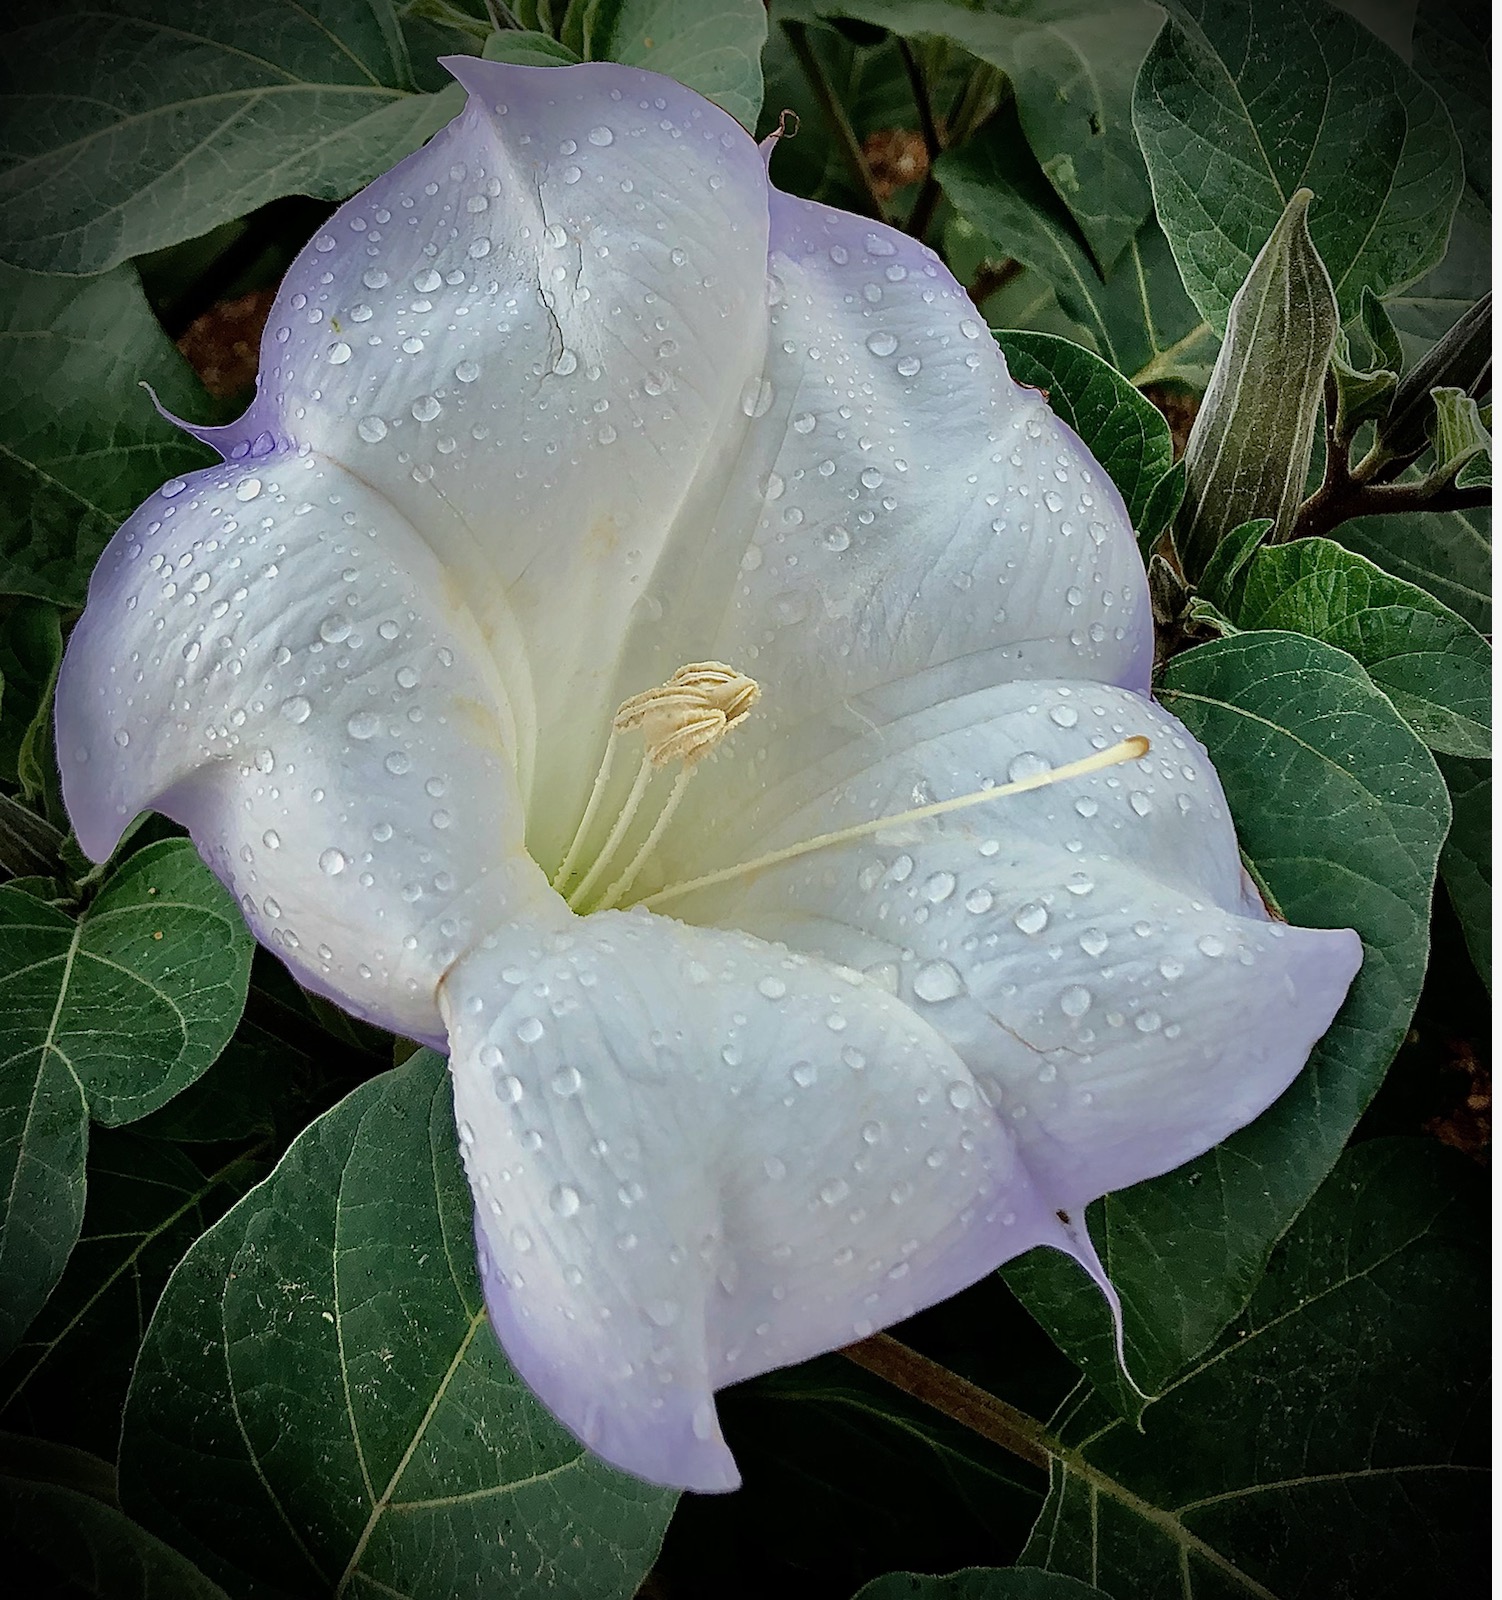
column 591, row 480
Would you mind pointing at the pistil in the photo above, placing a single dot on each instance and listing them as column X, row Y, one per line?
column 1132, row 749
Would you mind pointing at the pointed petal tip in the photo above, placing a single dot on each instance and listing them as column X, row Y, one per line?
column 1077, row 1244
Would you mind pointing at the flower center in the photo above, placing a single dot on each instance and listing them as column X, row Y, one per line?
column 681, row 720
column 684, row 719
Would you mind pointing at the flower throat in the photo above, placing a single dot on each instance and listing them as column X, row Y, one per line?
column 682, row 721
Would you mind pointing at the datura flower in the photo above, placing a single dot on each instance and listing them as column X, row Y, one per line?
column 641, row 642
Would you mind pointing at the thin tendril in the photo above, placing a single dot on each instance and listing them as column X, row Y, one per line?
column 617, row 833
column 1127, row 750
column 623, row 883
column 591, row 806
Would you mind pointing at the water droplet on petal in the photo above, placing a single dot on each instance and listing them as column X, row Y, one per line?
column 937, row 981
column 332, row 862
column 1075, row 1000
column 564, row 1200
column 371, row 429
column 1032, row 918
column 881, row 344
column 425, row 407
column 297, row 708
column 1027, row 765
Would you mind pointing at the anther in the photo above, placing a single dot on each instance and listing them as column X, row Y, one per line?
column 681, row 720
column 686, row 717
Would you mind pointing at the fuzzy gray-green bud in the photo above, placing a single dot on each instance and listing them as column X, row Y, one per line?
column 1248, row 455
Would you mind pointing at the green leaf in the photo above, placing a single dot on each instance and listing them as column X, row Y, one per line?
column 1071, row 64
column 1248, row 453
column 1432, row 664
column 1424, row 311
column 256, row 1083
column 1448, row 555
column 1162, row 507
column 146, row 1204
column 714, row 46
column 981, row 1583
column 1341, row 812
column 1139, row 319
column 1452, row 52
column 320, row 1394
column 80, row 442
column 1361, row 394
column 1228, row 561
column 1333, row 1440
column 134, row 124
column 71, row 1542
column 1462, row 442
column 1466, row 861
column 1125, row 433
column 111, row 1013
column 1381, row 337
column 526, row 49
column 31, row 649
column 1238, row 106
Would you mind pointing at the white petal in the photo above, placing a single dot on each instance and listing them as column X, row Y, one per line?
column 1092, row 950
column 273, row 659
column 697, row 1157
column 910, row 525
column 531, row 336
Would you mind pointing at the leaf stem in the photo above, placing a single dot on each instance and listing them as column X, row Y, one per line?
column 834, row 113
column 956, row 1398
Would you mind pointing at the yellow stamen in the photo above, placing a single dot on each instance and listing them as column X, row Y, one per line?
column 681, row 720
column 616, row 834
column 1132, row 749
column 612, row 896
column 591, row 806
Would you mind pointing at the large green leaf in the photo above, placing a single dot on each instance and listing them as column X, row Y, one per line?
column 1332, row 1442
column 1452, row 51
column 320, row 1397
column 981, row 1583
column 134, row 124
column 1466, row 862
column 147, row 1202
column 1341, row 812
column 1450, row 555
column 1432, row 664
column 1139, row 318
column 1238, row 106
column 80, row 442
column 31, row 650
column 714, row 46
column 1071, row 64
column 109, row 1013
column 1430, row 307
column 1126, row 433
column 60, row 1527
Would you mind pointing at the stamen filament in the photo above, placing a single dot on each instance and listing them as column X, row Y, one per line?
column 1132, row 749
column 617, row 833
column 591, row 806
column 623, row 883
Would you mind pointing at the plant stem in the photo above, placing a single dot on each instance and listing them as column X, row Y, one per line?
column 927, row 202
column 955, row 1398
column 834, row 113
column 1319, row 515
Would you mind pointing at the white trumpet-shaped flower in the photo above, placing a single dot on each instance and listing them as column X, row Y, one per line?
column 620, row 567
